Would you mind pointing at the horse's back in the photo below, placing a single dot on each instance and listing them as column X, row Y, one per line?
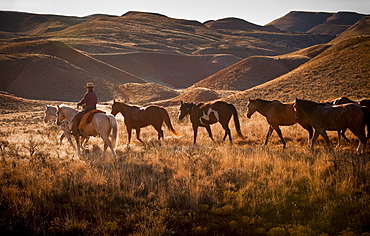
column 338, row 117
column 282, row 113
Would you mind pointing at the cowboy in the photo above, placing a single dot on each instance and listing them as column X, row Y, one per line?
column 88, row 103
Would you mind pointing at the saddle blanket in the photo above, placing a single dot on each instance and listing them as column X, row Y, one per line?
column 87, row 118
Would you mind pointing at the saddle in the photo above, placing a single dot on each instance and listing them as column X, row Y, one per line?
column 87, row 118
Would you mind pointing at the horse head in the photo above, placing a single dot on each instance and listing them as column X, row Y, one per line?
column 185, row 109
column 251, row 107
column 65, row 112
column 50, row 112
column 119, row 107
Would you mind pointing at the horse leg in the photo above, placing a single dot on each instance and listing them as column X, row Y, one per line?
column 61, row 138
column 310, row 132
column 77, row 137
column 108, row 143
column 269, row 134
column 209, row 131
column 278, row 131
column 326, row 138
column 138, row 134
column 69, row 140
column 129, row 130
column 361, row 135
column 160, row 131
column 343, row 132
column 314, row 138
column 339, row 135
column 195, row 130
column 227, row 131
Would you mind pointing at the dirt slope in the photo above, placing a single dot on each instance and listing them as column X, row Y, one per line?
column 52, row 70
column 237, row 24
column 341, row 70
column 316, row 22
column 33, row 24
column 257, row 70
column 337, row 23
column 176, row 71
column 142, row 94
column 362, row 27
column 300, row 21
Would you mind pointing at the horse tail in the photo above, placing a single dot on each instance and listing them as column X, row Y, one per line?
column 114, row 127
column 167, row 120
column 236, row 120
column 366, row 112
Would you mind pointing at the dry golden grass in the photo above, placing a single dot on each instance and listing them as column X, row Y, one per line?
column 177, row 188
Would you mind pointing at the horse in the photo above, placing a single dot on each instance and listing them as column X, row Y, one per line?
column 326, row 117
column 338, row 101
column 205, row 114
column 277, row 114
column 136, row 118
column 51, row 113
column 101, row 124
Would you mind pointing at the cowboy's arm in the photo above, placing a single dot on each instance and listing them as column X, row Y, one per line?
column 83, row 100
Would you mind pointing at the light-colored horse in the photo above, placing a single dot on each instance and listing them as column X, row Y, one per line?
column 101, row 124
column 51, row 113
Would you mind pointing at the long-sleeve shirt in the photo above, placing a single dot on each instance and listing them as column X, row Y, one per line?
column 89, row 100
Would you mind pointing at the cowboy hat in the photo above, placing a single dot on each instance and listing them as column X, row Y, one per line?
column 89, row 85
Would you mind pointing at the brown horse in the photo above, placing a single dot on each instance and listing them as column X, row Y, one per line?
column 339, row 101
column 209, row 113
column 136, row 118
column 326, row 117
column 277, row 114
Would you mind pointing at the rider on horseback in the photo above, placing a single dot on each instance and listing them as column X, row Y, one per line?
column 88, row 103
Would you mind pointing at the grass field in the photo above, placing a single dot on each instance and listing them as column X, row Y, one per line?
column 177, row 188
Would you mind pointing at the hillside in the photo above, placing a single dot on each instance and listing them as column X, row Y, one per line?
column 337, row 23
column 257, row 70
column 341, row 70
column 139, row 47
column 316, row 22
column 237, row 24
column 173, row 70
column 134, row 47
column 362, row 27
column 54, row 71
column 34, row 24
column 144, row 93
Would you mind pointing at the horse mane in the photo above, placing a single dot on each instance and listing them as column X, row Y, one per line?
column 311, row 105
column 265, row 102
column 65, row 106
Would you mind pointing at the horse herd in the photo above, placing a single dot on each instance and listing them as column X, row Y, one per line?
column 337, row 114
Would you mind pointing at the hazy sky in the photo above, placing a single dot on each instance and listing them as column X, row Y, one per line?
column 258, row 12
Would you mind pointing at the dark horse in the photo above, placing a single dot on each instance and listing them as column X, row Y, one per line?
column 326, row 117
column 339, row 101
column 205, row 114
column 136, row 118
column 277, row 114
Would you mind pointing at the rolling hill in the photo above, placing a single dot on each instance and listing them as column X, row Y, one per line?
column 257, row 70
column 51, row 70
column 316, row 22
column 134, row 47
column 341, row 70
column 52, row 57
